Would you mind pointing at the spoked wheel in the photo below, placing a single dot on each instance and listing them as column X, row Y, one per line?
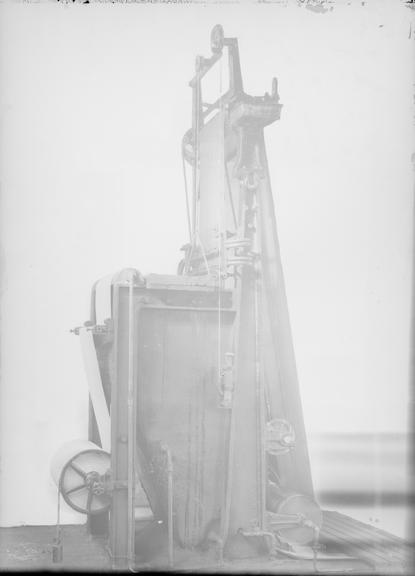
column 79, row 468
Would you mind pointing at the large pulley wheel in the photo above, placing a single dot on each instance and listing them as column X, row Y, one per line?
column 79, row 468
column 286, row 511
column 308, row 509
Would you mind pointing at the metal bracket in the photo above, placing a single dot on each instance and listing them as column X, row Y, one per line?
column 112, row 485
column 102, row 329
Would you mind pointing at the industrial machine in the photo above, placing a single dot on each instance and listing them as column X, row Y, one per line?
column 197, row 454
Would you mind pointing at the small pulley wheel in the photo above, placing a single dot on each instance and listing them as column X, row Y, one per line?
column 79, row 469
column 279, row 437
column 217, row 38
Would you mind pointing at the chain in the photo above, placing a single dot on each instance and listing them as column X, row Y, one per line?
column 57, row 542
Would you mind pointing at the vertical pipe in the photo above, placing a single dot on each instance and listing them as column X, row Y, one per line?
column 229, row 448
column 240, row 290
column 123, row 421
column 117, row 515
column 260, row 399
column 131, row 424
column 410, row 523
column 169, row 460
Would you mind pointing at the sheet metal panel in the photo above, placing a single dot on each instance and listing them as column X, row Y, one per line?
column 281, row 370
column 180, row 353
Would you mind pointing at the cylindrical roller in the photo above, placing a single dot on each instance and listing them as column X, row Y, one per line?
column 78, row 468
column 289, row 505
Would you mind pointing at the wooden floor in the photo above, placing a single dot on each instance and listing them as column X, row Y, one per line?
column 30, row 548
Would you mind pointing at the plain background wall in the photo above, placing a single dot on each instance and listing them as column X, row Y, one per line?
column 94, row 104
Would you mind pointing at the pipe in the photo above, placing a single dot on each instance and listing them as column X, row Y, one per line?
column 227, row 494
column 299, row 556
column 130, row 496
column 261, row 463
column 132, row 276
column 167, row 451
